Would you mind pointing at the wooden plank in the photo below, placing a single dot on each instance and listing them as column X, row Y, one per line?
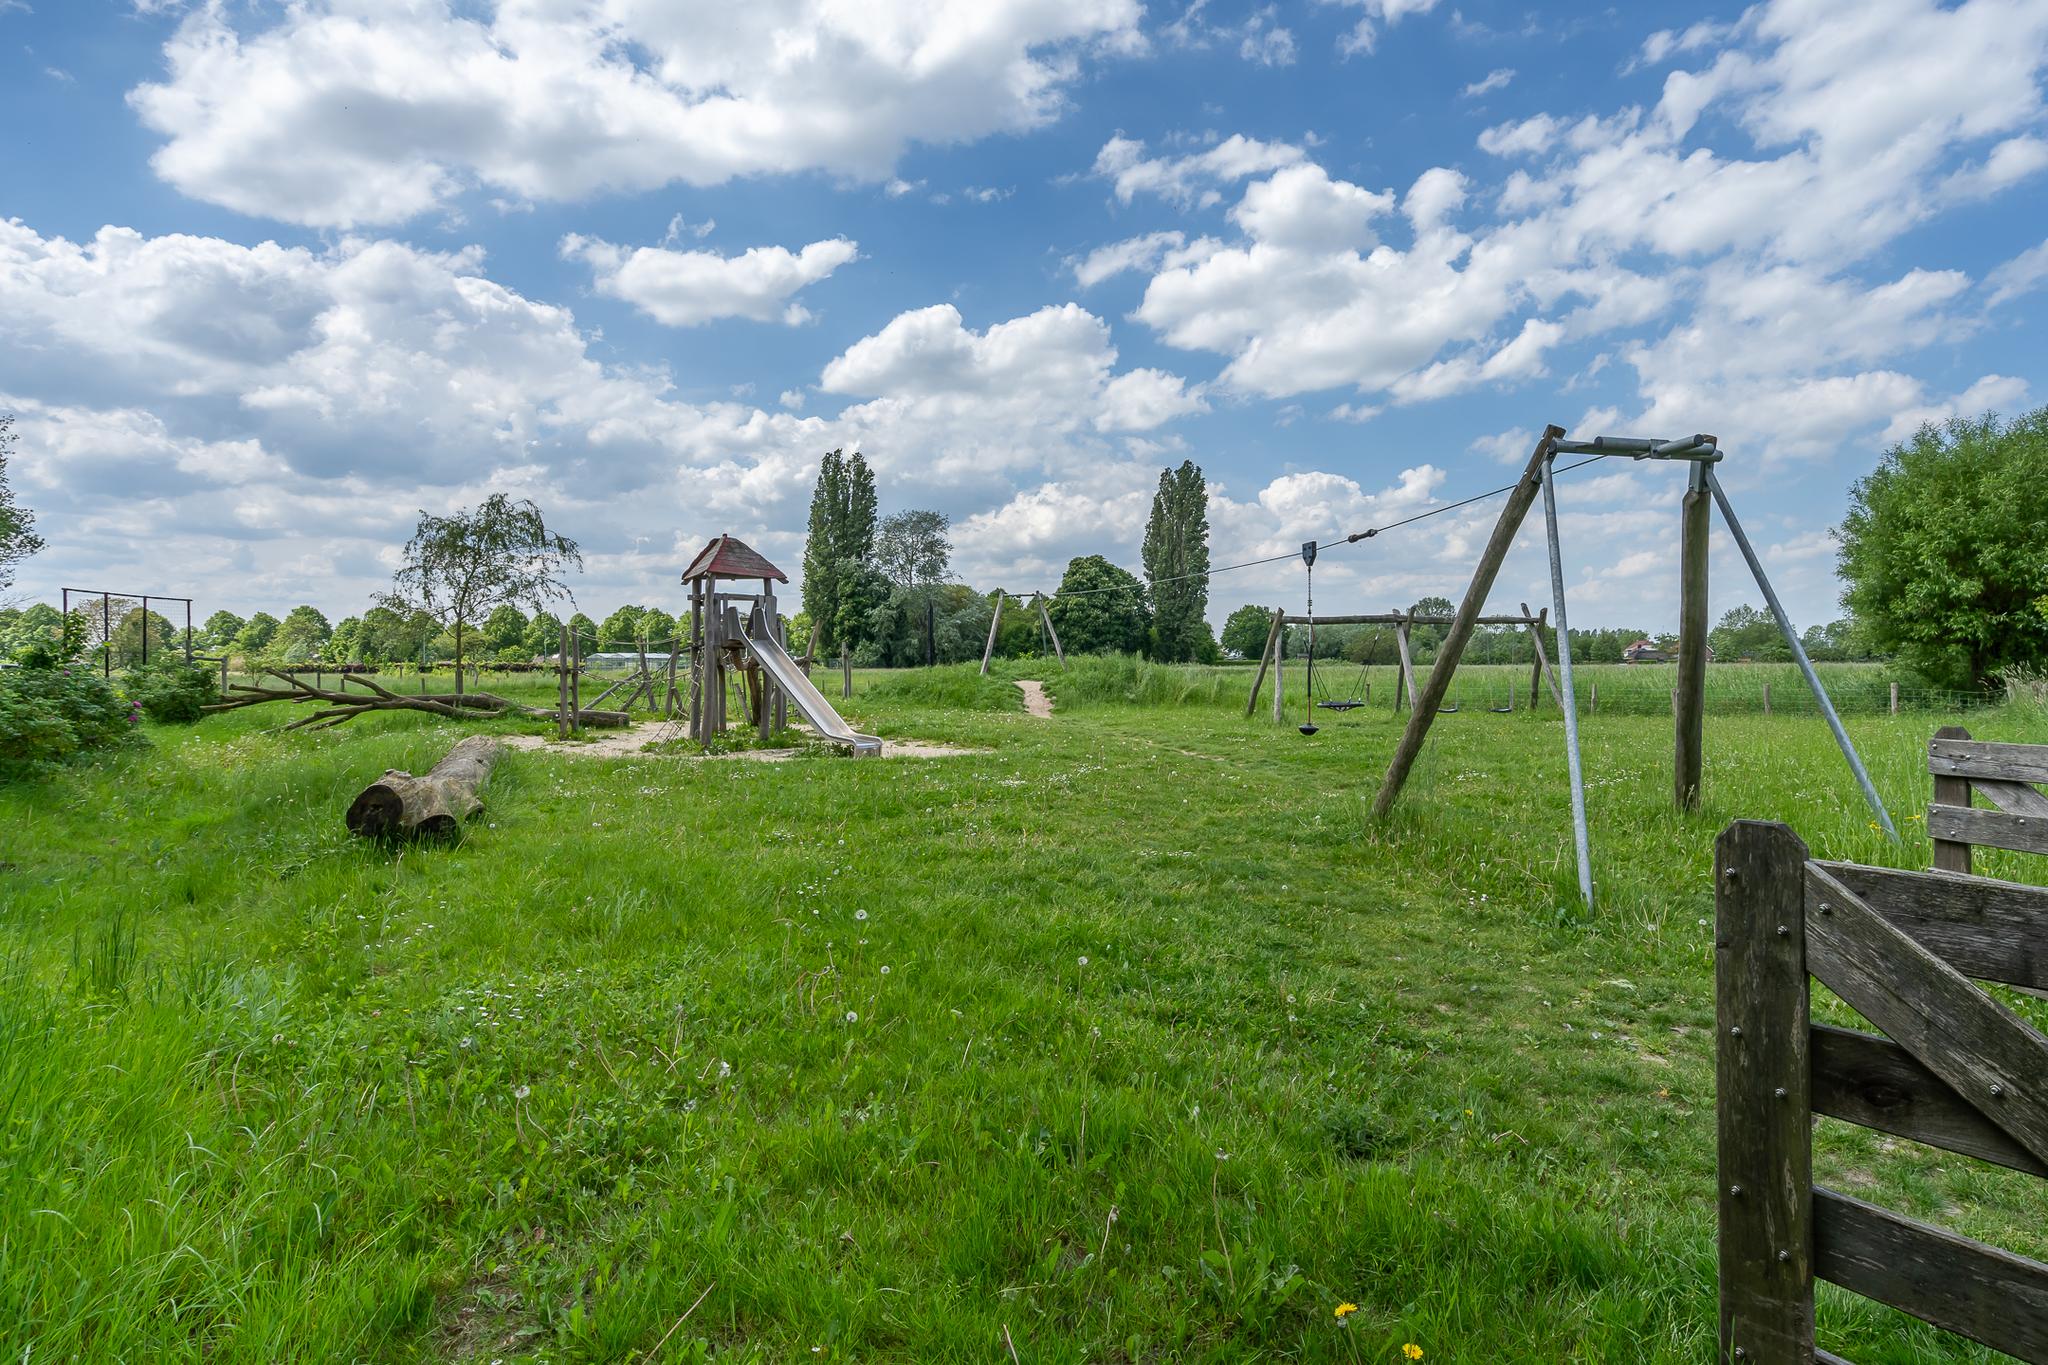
column 1872, row 1081
column 1822, row 1357
column 1266, row 658
column 1985, row 1052
column 1689, row 710
column 1988, row 828
column 2014, row 798
column 1949, row 790
column 1981, row 758
column 1982, row 1292
column 1764, row 1149
column 1045, row 619
column 1423, row 709
column 1987, row 929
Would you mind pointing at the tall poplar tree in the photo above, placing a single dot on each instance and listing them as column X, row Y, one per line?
column 841, row 537
column 1177, row 563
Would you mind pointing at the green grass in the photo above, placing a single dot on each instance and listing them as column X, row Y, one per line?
column 1131, row 1037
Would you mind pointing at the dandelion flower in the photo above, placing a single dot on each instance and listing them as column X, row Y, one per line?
column 852, row 1017
column 522, row 1092
column 1345, row 1310
column 1084, row 960
column 860, row 914
column 1410, row 1351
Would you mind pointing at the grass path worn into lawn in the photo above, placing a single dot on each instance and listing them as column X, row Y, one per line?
column 1131, row 1037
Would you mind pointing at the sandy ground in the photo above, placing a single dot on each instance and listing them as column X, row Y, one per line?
column 1035, row 700
column 632, row 742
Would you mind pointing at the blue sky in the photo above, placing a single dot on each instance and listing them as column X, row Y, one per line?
column 273, row 278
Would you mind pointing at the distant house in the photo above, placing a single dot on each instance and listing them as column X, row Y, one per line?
column 1645, row 652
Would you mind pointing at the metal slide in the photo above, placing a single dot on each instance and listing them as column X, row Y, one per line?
column 807, row 698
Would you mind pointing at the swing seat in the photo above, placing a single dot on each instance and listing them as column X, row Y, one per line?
column 1503, row 710
column 1447, row 710
column 1339, row 705
column 1308, row 728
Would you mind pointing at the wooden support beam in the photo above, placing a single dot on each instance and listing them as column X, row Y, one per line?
column 1762, row 1087
column 1690, row 709
column 1423, row 714
column 1536, row 627
column 1045, row 617
column 996, row 620
column 1407, row 683
column 1266, row 658
column 1864, row 1079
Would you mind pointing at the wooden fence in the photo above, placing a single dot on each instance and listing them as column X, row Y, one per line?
column 2001, row 774
column 1953, row 1068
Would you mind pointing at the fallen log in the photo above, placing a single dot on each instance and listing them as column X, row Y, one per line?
column 342, row 705
column 401, row 806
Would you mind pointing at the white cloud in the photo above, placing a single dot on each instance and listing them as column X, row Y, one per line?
column 1133, row 253
column 1191, row 179
column 1497, row 79
column 2019, row 276
column 1363, row 37
column 353, row 112
column 687, row 288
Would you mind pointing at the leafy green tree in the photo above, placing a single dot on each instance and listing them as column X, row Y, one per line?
column 1836, row 642
column 911, row 548
column 343, row 646
column 458, row 567
column 864, row 590
column 40, row 627
column 841, row 537
column 137, row 633
column 1245, row 631
column 18, row 538
column 505, row 627
column 543, row 635
column 254, row 638
column 1176, row 556
column 658, row 627
column 1745, row 632
column 1943, row 550
column 301, row 635
column 582, row 628
column 1100, row 609
column 620, row 629
column 220, row 630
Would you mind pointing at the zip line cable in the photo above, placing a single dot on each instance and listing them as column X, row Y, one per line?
column 1351, row 539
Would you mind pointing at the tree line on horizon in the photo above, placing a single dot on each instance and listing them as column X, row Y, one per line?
column 1944, row 568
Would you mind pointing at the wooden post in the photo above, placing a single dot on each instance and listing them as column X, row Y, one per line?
column 1895, row 699
column 845, row 672
column 1265, row 659
column 1407, row 668
column 993, row 621
column 781, row 698
column 1949, row 790
column 1767, row 699
column 1593, row 697
column 576, row 681
column 562, row 685
column 1046, row 617
column 1689, row 710
column 1423, row 714
column 771, row 695
column 1763, row 1096
column 1279, row 677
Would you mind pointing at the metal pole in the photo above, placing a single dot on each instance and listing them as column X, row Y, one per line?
column 188, row 632
column 106, row 635
column 1571, row 701
column 1820, row 694
column 145, row 630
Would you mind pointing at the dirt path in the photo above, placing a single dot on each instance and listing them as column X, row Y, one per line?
column 632, row 742
column 1035, row 700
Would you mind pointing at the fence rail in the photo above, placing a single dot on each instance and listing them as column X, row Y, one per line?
column 1952, row 1068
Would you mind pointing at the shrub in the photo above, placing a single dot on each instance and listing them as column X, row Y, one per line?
column 50, row 716
column 172, row 692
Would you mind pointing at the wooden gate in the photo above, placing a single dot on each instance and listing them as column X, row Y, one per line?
column 1955, row 1069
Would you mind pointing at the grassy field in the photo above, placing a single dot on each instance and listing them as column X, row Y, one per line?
column 1128, row 1037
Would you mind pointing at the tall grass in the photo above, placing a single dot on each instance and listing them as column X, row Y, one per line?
column 1128, row 1036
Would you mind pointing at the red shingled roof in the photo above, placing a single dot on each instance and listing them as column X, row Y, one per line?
column 726, row 557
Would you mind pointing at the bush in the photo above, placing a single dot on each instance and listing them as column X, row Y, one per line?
column 172, row 692
column 50, row 716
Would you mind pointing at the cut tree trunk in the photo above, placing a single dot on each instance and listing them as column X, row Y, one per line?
column 344, row 706
column 401, row 806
